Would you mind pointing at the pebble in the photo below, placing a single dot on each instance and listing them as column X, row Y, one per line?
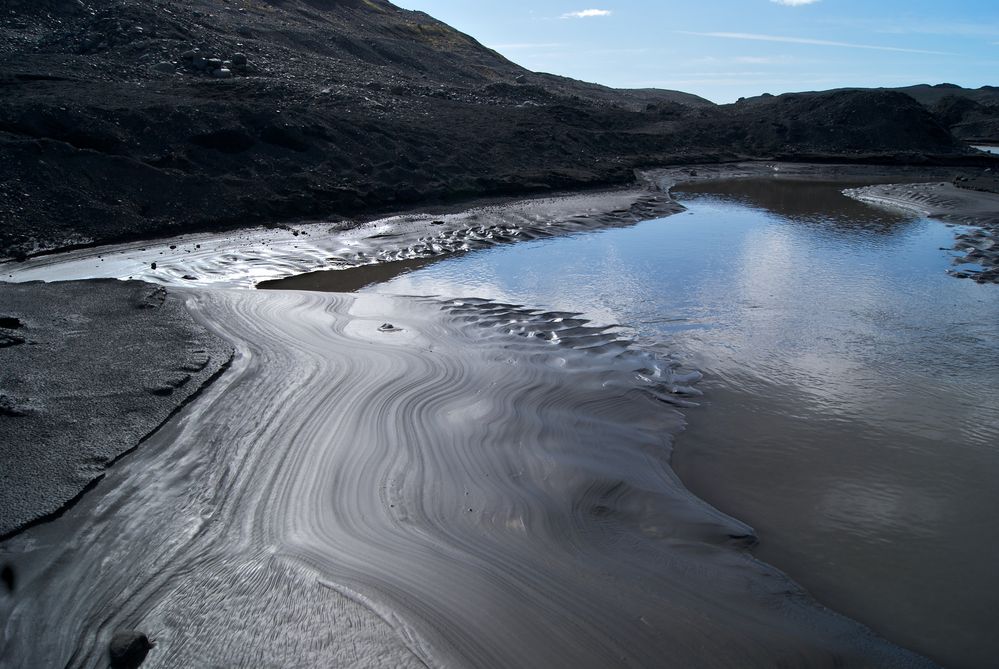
column 128, row 649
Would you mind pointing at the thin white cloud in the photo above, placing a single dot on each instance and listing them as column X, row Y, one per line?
column 587, row 14
column 764, row 60
column 902, row 26
column 794, row 3
column 816, row 42
column 527, row 45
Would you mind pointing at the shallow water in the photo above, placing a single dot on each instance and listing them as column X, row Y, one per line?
column 485, row 485
column 454, row 491
column 852, row 387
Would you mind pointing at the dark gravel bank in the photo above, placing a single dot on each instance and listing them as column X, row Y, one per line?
column 87, row 370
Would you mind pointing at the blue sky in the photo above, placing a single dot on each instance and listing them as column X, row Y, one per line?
column 724, row 49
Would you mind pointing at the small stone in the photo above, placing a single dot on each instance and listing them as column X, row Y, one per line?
column 189, row 55
column 163, row 67
column 7, row 340
column 128, row 649
column 239, row 59
column 222, row 73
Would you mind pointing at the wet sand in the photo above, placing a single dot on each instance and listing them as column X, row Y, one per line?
column 247, row 257
column 447, row 493
column 946, row 202
column 480, row 485
column 87, row 371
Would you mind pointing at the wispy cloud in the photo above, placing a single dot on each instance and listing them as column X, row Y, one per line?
column 528, row 45
column 815, row 42
column 794, row 3
column 764, row 60
column 586, row 14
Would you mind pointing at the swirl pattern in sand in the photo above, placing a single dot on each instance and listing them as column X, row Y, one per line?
column 476, row 485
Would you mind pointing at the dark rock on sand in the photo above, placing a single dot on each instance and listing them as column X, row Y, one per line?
column 128, row 649
column 7, row 576
column 11, row 408
column 108, row 362
column 9, row 339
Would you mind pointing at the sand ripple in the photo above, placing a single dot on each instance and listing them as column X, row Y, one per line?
column 247, row 257
column 479, row 485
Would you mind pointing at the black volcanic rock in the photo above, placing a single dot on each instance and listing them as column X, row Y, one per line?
column 128, row 649
column 969, row 119
column 862, row 122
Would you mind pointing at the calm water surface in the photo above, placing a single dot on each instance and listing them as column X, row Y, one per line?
column 852, row 387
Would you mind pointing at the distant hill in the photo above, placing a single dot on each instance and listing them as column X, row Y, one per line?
column 931, row 95
column 971, row 114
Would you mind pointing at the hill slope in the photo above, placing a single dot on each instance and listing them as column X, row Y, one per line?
column 125, row 118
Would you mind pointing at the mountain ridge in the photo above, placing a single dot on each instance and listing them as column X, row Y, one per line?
column 125, row 119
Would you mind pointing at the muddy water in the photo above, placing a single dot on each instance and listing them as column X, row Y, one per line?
column 852, row 387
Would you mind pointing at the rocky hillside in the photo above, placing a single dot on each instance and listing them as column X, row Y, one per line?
column 129, row 118
column 971, row 114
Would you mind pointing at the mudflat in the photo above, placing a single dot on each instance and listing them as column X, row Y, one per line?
column 477, row 485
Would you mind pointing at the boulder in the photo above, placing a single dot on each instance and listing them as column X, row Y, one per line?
column 128, row 649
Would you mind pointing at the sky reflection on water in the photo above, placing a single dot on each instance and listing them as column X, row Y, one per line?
column 852, row 408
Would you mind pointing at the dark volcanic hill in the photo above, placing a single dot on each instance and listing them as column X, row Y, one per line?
column 128, row 118
column 971, row 114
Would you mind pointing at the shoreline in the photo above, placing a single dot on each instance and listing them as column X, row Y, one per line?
column 444, row 538
column 391, row 237
column 950, row 204
column 247, row 256
column 966, row 166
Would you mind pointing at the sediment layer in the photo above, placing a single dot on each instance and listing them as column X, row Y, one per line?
column 475, row 485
